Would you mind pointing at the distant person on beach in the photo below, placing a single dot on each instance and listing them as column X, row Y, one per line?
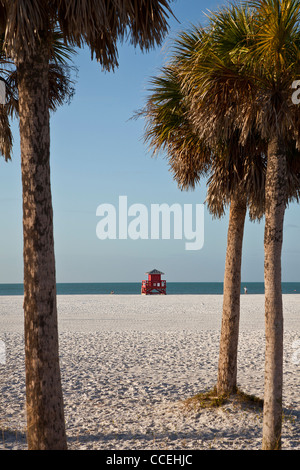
column 245, row 290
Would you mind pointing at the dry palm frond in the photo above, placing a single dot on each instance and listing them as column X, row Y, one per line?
column 24, row 22
column 147, row 21
column 214, row 108
column 189, row 164
column 226, row 162
column 238, row 168
column 100, row 24
column 168, row 129
column 234, row 83
column 95, row 23
column 61, row 88
column 3, row 17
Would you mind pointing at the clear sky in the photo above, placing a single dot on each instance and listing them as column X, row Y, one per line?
column 97, row 155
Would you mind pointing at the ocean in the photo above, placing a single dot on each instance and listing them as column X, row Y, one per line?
column 183, row 288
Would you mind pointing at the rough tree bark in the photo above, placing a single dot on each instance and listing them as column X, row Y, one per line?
column 276, row 183
column 227, row 368
column 44, row 401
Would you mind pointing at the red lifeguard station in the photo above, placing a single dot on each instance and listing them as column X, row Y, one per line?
column 154, row 284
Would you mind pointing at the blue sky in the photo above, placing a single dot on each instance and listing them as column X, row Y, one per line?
column 97, row 155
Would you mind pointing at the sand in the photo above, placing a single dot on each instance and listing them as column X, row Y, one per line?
column 129, row 362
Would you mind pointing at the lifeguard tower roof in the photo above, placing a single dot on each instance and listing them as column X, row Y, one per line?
column 154, row 271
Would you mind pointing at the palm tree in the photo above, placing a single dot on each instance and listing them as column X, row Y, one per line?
column 216, row 79
column 231, row 183
column 277, row 47
column 60, row 91
column 245, row 84
column 235, row 178
column 28, row 28
column 236, row 171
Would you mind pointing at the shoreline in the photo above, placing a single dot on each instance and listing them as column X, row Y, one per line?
column 134, row 288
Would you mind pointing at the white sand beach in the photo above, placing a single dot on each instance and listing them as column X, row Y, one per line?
column 128, row 362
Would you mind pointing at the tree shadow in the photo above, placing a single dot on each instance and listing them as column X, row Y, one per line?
column 10, row 439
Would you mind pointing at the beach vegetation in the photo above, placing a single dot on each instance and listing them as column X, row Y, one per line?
column 208, row 399
column 211, row 399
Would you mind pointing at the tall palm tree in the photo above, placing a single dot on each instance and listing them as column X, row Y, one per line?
column 245, row 83
column 276, row 65
column 60, row 91
column 235, row 178
column 237, row 170
column 225, row 168
column 28, row 27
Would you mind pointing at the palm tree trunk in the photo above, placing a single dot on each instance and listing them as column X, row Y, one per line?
column 44, row 402
column 227, row 369
column 275, row 209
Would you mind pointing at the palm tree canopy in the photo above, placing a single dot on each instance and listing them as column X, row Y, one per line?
column 96, row 23
column 227, row 165
column 183, row 112
column 245, row 77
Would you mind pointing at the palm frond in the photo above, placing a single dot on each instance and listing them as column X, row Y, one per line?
column 24, row 22
column 277, row 34
column 214, row 107
column 60, row 52
column 168, row 129
column 100, row 24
